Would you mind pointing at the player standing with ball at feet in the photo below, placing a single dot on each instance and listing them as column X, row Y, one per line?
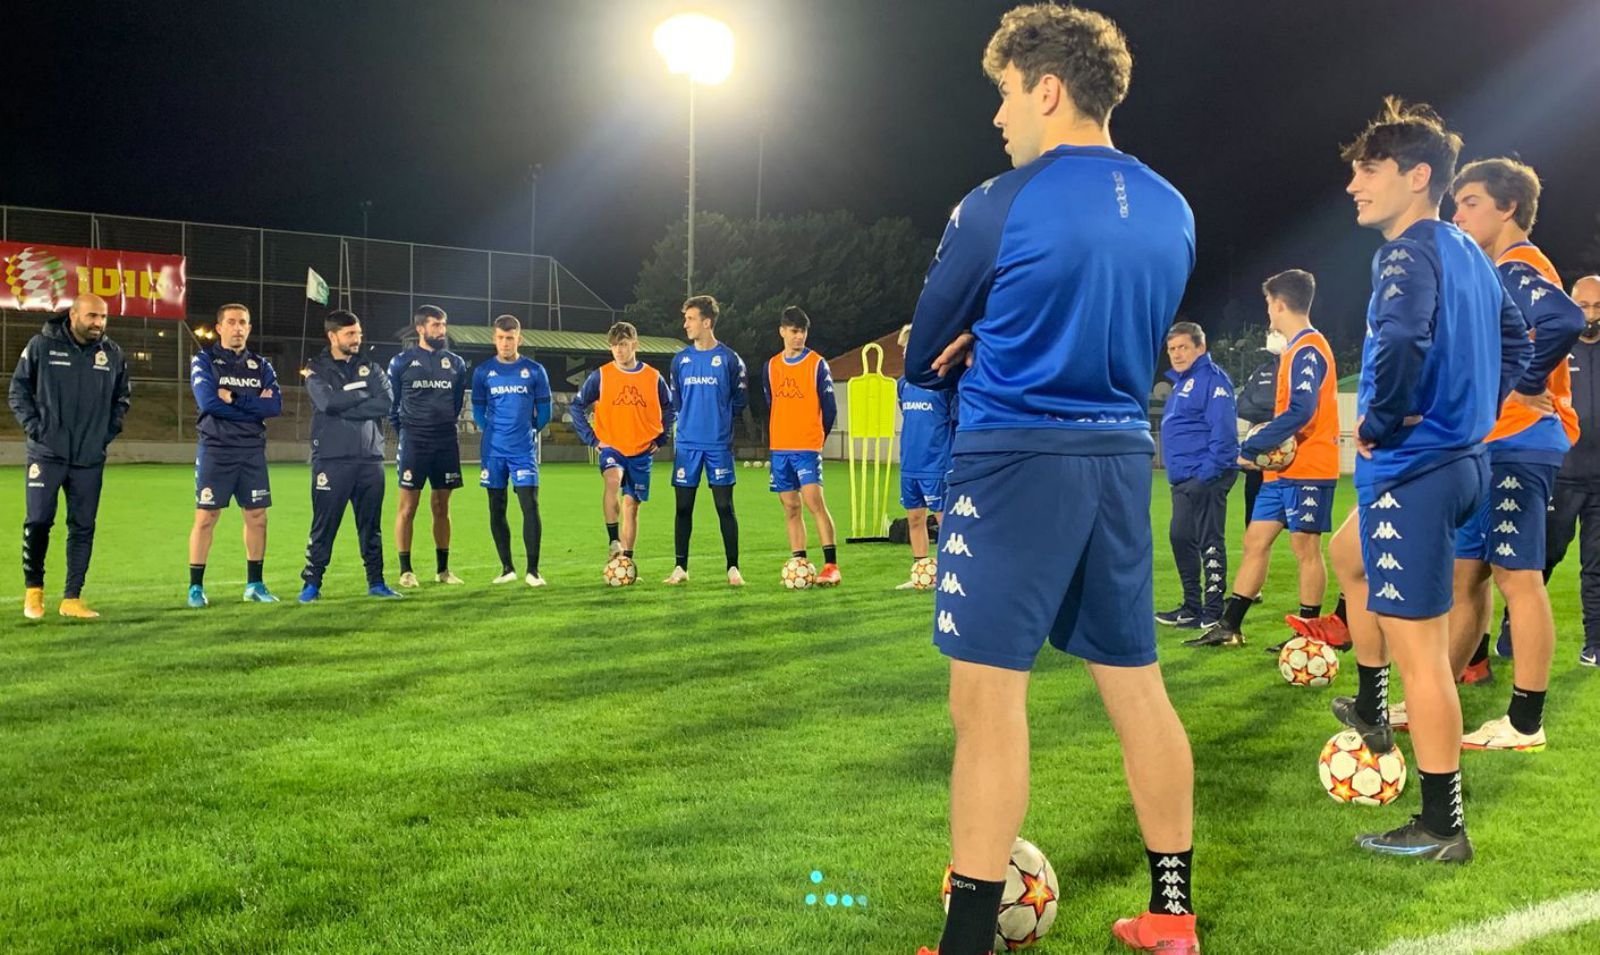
column 927, row 426
column 1056, row 283
column 801, row 407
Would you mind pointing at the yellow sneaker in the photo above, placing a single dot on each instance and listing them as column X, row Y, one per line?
column 33, row 603
column 75, row 607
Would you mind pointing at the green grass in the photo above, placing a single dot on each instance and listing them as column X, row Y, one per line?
column 580, row 769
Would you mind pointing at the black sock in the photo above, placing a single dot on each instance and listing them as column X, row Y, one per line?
column 1233, row 613
column 405, row 562
column 499, row 528
column 197, row 575
column 1170, row 882
column 1481, row 654
column 532, row 526
column 830, row 553
column 252, row 571
column 1372, row 694
column 798, row 553
column 727, row 522
column 611, row 533
column 1338, row 611
column 629, row 554
column 683, row 524
column 1310, row 611
column 969, row 925
column 1441, row 802
column 1527, row 710
column 441, row 558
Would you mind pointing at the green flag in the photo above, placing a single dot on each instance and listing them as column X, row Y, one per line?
column 316, row 287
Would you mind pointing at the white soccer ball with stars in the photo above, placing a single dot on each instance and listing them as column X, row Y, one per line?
column 1028, row 904
column 1353, row 773
column 1279, row 457
column 799, row 573
column 925, row 573
column 1306, row 662
column 620, row 571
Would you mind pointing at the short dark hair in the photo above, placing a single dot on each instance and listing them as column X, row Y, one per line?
column 424, row 313
column 233, row 307
column 621, row 332
column 1410, row 134
column 705, row 304
column 1085, row 50
column 339, row 318
column 1506, row 181
column 1295, row 288
column 1194, row 331
column 507, row 323
column 795, row 317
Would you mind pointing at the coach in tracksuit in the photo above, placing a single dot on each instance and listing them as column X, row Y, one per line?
column 70, row 394
column 1256, row 400
column 1200, row 451
column 1577, row 489
column 430, row 385
column 351, row 395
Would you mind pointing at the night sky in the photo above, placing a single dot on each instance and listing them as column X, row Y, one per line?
column 289, row 114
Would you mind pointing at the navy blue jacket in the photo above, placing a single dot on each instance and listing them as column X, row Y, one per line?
column 430, row 388
column 351, row 399
column 69, row 398
column 1199, row 428
column 241, row 424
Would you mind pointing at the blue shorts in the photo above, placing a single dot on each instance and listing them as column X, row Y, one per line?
column 520, row 469
column 222, row 475
column 1017, row 566
column 687, row 466
column 925, row 492
column 1408, row 533
column 1300, row 508
column 635, row 471
column 1509, row 529
column 792, row 470
column 437, row 464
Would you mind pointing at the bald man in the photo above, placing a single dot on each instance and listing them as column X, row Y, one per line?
column 70, row 394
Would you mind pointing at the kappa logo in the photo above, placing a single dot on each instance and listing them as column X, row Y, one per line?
column 1537, row 294
column 1393, row 291
column 1390, row 592
column 1387, row 503
column 493, row 373
column 1509, row 505
column 947, row 623
column 414, row 364
column 963, row 507
column 684, row 360
column 1527, row 280
column 1510, row 483
column 789, row 389
column 1221, row 392
column 1385, row 532
column 1398, row 255
column 1213, row 564
column 1390, row 271
column 716, row 361
column 1309, row 502
column 1386, row 561
column 956, row 544
column 1505, row 550
column 1303, row 386
column 1306, row 369
column 322, row 479
column 1307, row 518
column 33, row 471
column 951, row 584
column 206, row 496
column 1506, row 527
column 630, row 396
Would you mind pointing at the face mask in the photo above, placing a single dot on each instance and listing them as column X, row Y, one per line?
column 1591, row 329
column 1276, row 343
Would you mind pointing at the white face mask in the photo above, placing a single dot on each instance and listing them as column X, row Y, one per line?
column 1276, row 343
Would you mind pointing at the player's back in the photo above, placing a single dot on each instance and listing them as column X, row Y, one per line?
column 1093, row 251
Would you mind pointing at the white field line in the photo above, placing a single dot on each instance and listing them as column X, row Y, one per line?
column 1506, row 931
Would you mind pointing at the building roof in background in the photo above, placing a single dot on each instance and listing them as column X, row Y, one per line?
column 848, row 365
column 544, row 339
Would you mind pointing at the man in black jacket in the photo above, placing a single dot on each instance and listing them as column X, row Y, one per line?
column 1256, row 400
column 351, row 396
column 70, row 394
column 1577, row 489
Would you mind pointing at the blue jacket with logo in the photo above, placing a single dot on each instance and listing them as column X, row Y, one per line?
column 242, row 423
column 1199, row 430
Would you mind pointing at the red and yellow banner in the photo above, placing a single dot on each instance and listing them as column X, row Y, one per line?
column 48, row 278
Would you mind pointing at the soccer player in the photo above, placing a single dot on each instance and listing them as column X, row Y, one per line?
column 1057, row 281
column 708, row 392
column 1299, row 497
column 927, row 428
column 801, row 410
column 632, row 410
column 351, row 397
column 430, row 385
column 1497, row 201
column 69, row 393
column 1200, row 452
column 236, row 391
column 511, row 405
column 1441, row 336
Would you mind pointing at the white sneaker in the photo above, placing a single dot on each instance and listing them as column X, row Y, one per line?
column 1398, row 720
column 533, row 580
column 509, row 577
column 908, row 585
column 409, row 579
column 614, row 550
column 735, row 579
column 678, row 576
column 445, row 577
column 1500, row 734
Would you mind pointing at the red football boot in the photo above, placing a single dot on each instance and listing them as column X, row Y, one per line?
column 1476, row 674
column 1328, row 628
column 1150, row 932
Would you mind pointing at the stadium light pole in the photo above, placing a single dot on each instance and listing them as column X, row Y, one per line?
column 701, row 48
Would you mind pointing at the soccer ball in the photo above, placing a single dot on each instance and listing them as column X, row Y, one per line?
column 620, row 571
column 1351, row 773
column 1306, row 662
column 1028, row 905
column 925, row 573
column 1278, row 458
column 799, row 573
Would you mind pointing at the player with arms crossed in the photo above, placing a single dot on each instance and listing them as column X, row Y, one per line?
column 1058, row 281
column 430, row 386
column 511, row 405
column 801, row 408
column 927, row 427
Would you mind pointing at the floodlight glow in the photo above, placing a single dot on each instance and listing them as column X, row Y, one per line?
column 696, row 45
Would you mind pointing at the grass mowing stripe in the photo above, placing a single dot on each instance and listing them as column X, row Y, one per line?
column 1507, row 931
